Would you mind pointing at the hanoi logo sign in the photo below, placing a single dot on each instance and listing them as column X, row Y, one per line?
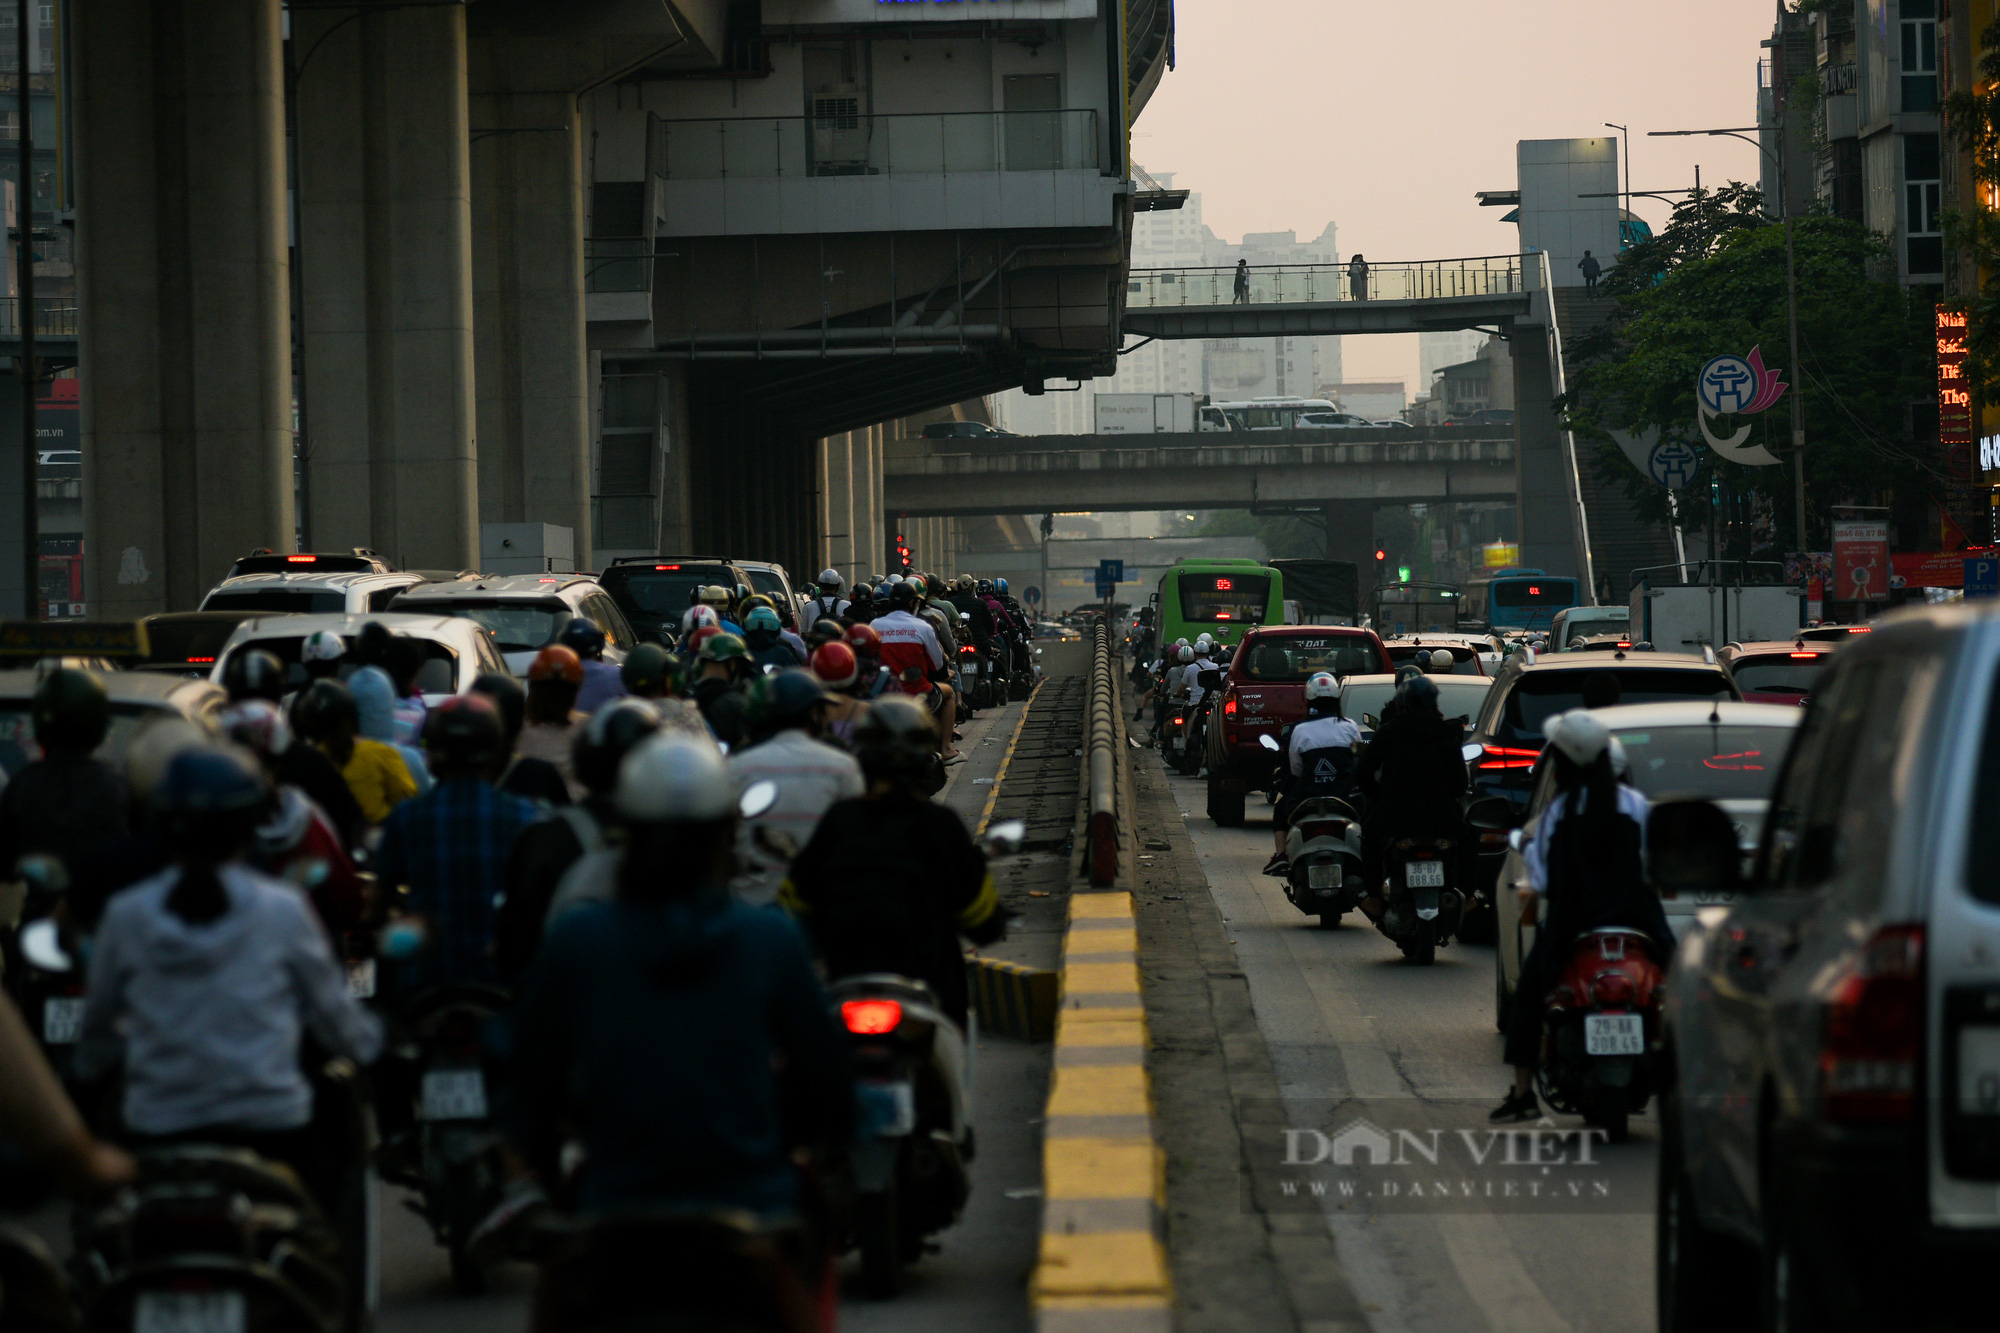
column 1737, row 386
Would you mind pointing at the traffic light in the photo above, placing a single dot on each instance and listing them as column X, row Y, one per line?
column 1380, row 555
column 902, row 555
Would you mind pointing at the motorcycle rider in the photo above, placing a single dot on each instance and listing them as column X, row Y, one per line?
column 763, row 636
column 828, row 604
column 519, row 774
column 655, row 675
column 836, row 667
column 717, row 599
column 376, row 775
column 546, row 851
column 67, row 803
column 1585, row 860
column 1413, row 776
column 691, row 981
column 449, row 848
column 891, row 880
column 1320, row 757
column 601, row 681
column 910, row 644
column 204, row 978
column 872, row 679
column 810, row 776
column 555, row 679
column 718, row 685
column 298, row 842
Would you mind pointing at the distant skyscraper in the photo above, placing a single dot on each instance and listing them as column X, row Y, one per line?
column 1435, row 351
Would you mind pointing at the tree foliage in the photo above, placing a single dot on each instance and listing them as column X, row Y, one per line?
column 1713, row 282
column 1972, row 122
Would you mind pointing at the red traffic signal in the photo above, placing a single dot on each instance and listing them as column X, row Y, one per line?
column 1381, row 555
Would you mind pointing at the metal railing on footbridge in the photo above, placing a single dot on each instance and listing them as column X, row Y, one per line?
column 1297, row 284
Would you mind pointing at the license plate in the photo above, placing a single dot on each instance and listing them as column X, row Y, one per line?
column 454, row 1094
column 361, row 979
column 62, row 1020
column 1979, row 1071
column 1424, row 874
column 1323, row 877
column 189, row 1312
column 1614, row 1034
column 887, row 1109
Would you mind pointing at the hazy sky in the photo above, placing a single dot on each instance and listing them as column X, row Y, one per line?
column 1386, row 115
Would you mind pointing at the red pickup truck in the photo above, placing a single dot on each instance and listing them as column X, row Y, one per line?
column 1263, row 692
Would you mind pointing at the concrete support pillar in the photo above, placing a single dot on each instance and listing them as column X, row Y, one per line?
column 183, row 295
column 837, row 518
column 1350, row 535
column 676, row 481
column 385, row 196
column 1547, row 500
column 533, row 370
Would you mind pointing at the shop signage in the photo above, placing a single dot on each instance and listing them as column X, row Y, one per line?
column 1954, row 395
column 1860, row 560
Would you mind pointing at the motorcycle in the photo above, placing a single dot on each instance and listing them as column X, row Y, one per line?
column 213, row 1239
column 1192, row 754
column 1324, row 849
column 451, row 1156
column 1602, row 1030
column 975, row 681
column 1421, row 910
column 624, row 1272
column 47, row 986
column 1174, row 731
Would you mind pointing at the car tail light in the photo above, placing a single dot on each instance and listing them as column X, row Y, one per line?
column 666, row 566
column 201, row 659
column 301, row 559
column 1507, row 756
column 871, row 1018
column 1177, row 721
column 1874, row 1031
column 1229, row 705
column 1805, row 655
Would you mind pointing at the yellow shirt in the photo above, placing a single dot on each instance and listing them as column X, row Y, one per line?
column 379, row 779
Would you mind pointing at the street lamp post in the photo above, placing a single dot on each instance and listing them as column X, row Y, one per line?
column 1791, row 308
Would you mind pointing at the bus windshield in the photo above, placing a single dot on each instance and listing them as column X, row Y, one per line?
column 1409, row 608
column 1224, row 599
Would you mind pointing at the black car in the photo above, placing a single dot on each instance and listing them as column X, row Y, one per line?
column 655, row 591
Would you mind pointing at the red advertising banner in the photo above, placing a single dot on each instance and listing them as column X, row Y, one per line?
column 1860, row 560
column 1954, row 395
column 1933, row 569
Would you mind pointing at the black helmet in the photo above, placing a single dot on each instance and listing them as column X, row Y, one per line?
column 824, row 630
column 464, row 732
column 792, row 697
column 509, row 699
column 651, row 669
column 583, row 638
column 903, row 595
column 984, row 587
column 210, row 781
column 254, row 673
column 897, row 739
column 70, row 711
column 323, row 709
column 1418, row 694
column 603, row 742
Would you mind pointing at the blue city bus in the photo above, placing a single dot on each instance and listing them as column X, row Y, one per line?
column 1517, row 599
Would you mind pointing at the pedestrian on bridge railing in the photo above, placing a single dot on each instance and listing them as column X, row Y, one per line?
column 1242, row 282
column 1357, row 279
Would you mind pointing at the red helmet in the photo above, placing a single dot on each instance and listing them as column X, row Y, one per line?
column 556, row 662
column 864, row 641
column 701, row 634
column 835, row 664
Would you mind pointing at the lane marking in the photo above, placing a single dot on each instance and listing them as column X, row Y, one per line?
column 1000, row 774
column 1495, row 1275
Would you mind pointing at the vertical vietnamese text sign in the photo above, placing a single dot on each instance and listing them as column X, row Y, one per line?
column 1954, row 396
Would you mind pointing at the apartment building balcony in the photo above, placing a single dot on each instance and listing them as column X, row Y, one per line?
column 856, row 172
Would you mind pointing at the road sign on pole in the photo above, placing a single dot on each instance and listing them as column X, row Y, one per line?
column 1111, row 571
column 1982, row 576
column 1031, row 595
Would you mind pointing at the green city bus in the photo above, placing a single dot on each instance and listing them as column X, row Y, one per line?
column 1219, row 598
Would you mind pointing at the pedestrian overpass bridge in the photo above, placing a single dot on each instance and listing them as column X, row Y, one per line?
column 1311, row 300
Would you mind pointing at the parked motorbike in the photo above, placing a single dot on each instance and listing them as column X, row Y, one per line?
column 212, row 1239
column 1602, row 1029
column 451, row 1155
column 1422, row 909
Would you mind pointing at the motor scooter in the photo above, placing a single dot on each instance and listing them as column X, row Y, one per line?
column 975, row 681
column 1193, row 752
column 626, row 1272
column 47, row 986
column 1602, row 1030
column 1323, row 850
column 1421, row 908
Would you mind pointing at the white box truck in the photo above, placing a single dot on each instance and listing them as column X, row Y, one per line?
column 1145, row 413
column 1683, row 618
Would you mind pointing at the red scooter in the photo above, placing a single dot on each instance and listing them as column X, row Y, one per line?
column 1602, row 1030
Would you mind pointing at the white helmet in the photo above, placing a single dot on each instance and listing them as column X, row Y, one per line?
column 1187, row 654
column 1579, row 735
column 1440, row 661
column 1181, row 642
column 324, row 646
column 895, row 578
column 830, row 578
column 696, row 616
column 675, row 778
column 1322, row 685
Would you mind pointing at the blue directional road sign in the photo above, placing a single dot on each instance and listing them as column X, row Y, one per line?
column 1031, row 595
column 1982, row 576
column 1111, row 571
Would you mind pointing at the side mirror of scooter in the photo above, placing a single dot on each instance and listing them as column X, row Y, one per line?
column 1692, row 848
column 1495, row 814
column 1269, row 742
column 758, row 797
column 1470, row 752
column 1372, row 722
column 1005, row 838
column 1517, row 839
column 1209, row 680
column 41, row 945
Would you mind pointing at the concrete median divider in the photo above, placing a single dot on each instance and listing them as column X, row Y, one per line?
column 1012, row 999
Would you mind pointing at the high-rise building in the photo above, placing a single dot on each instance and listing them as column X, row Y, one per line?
column 1435, row 351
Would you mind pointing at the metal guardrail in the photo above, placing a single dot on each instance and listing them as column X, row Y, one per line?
column 55, row 317
column 1101, row 746
column 1293, row 284
column 853, row 144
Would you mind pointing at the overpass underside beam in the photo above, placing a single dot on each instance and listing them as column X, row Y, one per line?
column 1203, row 488
column 182, row 295
column 1305, row 319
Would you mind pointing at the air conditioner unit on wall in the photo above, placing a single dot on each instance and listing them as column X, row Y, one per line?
column 839, row 131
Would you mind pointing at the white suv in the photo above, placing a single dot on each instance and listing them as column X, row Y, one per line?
column 310, row 592
column 457, row 651
column 526, row 612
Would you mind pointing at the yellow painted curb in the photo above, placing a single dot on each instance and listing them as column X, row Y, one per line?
column 1114, row 1263
column 1101, row 979
column 1106, row 1027
column 1012, row 999
column 1101, row 1169
column 1099, row 906
column 1113, row 939
column 1100, row 1090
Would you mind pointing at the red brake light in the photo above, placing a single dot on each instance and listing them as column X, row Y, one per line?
column 1229, row 708
column 666, row 566
column 201, row 659
column 301, row 559
column 1612, row 988
column 1508, row 756
column 1874, row 1031
column 1860, row 629
column 1805, row 654
column 871, row 1018
column 1624, row 643
column 1177, row 722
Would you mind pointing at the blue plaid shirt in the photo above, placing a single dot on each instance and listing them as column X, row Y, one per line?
column 450, row 846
